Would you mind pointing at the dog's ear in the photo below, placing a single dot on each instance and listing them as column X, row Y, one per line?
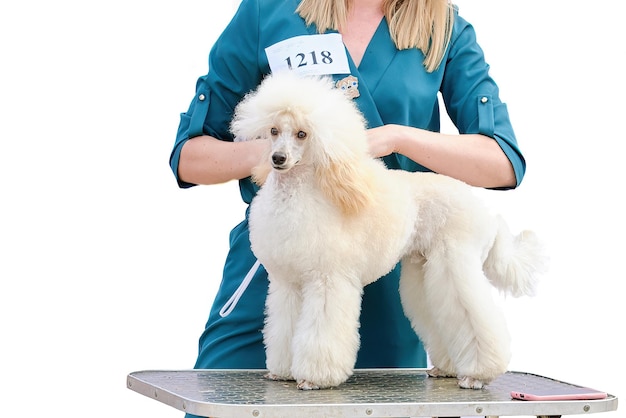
column 342, row 164
column 346, row 185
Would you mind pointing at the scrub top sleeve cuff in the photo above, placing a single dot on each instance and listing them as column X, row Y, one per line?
column 181, row 137
column 174, row 158
column 516, row 159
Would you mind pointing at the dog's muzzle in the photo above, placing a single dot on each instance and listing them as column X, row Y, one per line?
column 278, row 160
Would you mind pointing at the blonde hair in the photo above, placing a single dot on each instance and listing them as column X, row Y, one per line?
column 422, row 24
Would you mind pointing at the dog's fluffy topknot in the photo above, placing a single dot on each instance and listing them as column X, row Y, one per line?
column 313, row 96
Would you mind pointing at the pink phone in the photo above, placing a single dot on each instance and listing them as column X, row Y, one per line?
column 559, row 394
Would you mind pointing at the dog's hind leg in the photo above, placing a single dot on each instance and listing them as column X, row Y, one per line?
column 326, row 341
column 471, row 327
column 282, row 306
column 417, row 309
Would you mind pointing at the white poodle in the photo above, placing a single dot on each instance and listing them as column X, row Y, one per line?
column 329, row 219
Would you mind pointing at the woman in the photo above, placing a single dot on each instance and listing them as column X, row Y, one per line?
column 398, row 55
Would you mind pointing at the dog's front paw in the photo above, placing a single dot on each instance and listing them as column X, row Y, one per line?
column 307, row 385
column 467, row 382
column 273, row 376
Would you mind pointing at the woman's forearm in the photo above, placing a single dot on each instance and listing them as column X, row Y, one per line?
column 206, row 160
column 475, row 159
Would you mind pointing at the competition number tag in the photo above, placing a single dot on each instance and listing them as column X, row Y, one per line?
column 309, row 55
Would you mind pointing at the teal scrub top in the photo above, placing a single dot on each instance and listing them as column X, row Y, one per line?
column 395, row 88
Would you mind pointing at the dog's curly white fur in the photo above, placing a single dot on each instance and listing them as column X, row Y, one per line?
column 329, row 219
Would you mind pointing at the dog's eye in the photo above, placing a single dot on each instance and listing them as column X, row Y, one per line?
column 301, row 134
column 274, row 131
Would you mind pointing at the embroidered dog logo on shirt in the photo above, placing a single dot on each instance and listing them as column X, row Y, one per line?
column 350, row 86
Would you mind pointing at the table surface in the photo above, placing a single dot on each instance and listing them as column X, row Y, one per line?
column 368, row 393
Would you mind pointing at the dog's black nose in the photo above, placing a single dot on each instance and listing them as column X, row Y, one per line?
column 279, row 158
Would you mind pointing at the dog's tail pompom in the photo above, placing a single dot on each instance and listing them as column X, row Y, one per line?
column 515, row 263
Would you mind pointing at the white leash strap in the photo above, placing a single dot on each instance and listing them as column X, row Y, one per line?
column 234, row 299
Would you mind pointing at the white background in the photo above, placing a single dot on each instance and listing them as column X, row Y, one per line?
column 108, row 268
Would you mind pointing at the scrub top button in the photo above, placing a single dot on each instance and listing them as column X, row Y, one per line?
column 201, row 97
column 484, row 100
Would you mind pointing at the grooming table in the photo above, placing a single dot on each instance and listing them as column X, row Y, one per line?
column 368, row 393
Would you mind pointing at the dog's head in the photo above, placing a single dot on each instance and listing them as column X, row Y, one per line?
column 312, row 125
column 307, row 120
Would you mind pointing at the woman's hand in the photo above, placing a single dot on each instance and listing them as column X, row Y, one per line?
column 382, row 140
